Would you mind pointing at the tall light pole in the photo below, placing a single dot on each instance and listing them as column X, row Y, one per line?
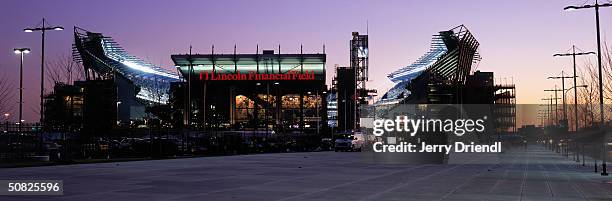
column 601, row 100
column 574, row 54
column 541, row 116
column 556, row 103
column 6, row 117
column 117, row 113
column 21, row 52
column 575, row 103
column 42, row 30
column 563, row 77
column 549, row 104
column 190, row 71
column 545, row 113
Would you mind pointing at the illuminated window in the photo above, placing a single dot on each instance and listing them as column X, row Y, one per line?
column 291, row 101
column 244, row 102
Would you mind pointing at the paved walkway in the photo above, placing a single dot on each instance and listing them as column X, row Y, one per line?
column 521, row 174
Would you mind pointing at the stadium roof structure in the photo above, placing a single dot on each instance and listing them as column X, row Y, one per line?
column 450, row 56
column 268, row 62
column 101, row 56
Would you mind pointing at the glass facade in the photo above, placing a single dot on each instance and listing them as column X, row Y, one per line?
column 279, row 93
column 247, row 110
column 252, row 63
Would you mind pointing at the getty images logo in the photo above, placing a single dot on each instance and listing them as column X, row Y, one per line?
column 403, row 124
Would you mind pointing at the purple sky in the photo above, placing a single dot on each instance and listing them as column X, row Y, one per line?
column 517, row 37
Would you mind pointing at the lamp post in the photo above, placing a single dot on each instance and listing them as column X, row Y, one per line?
column 6, row 116
column 575, row 103
column 543, row 114
column 574, row 54
column 278, row 109
column 556, row 103
column 563, row 77
column 117, row 113
column 549, row 108
column 601, row 98
column 44, row 28
column 21, row 52
column 550, row 123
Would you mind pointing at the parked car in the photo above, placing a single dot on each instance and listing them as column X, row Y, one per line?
column 346, row 144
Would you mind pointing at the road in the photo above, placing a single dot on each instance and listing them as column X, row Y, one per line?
column 520, row 174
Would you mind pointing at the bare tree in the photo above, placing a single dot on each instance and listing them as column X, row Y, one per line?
column 64, row 70
column 607, row 72
column 7, row 94
column 589, row 96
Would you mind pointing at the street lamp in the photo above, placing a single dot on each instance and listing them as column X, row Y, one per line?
column 117, row 112
column 601, row 97
column 556, row 103
column 42, row 30
column 549, row 109
column 574, row 54
column 541, row 115
column 6, row 117
column 21, row 52
column 563, row 77
column 575, row 103
column 6, row 124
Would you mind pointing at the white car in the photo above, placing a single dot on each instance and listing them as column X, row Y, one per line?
column 346, row 144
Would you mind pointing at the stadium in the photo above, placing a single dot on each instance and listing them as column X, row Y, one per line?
column 138, row 83
column 450, row 58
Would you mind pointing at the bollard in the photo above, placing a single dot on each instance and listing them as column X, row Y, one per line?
column 576, row 156
column 573, row 153
column 577, row 152
column 604, row 169
column 583, row 156
column 549, row 145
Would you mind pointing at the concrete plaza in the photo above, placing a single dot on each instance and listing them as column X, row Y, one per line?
column 518, row 174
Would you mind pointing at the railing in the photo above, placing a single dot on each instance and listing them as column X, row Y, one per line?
column 147, row 143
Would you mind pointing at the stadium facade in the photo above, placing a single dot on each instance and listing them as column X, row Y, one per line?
column 138, row 83
column 445, row 75
column 449, row 59
column 264, row 92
